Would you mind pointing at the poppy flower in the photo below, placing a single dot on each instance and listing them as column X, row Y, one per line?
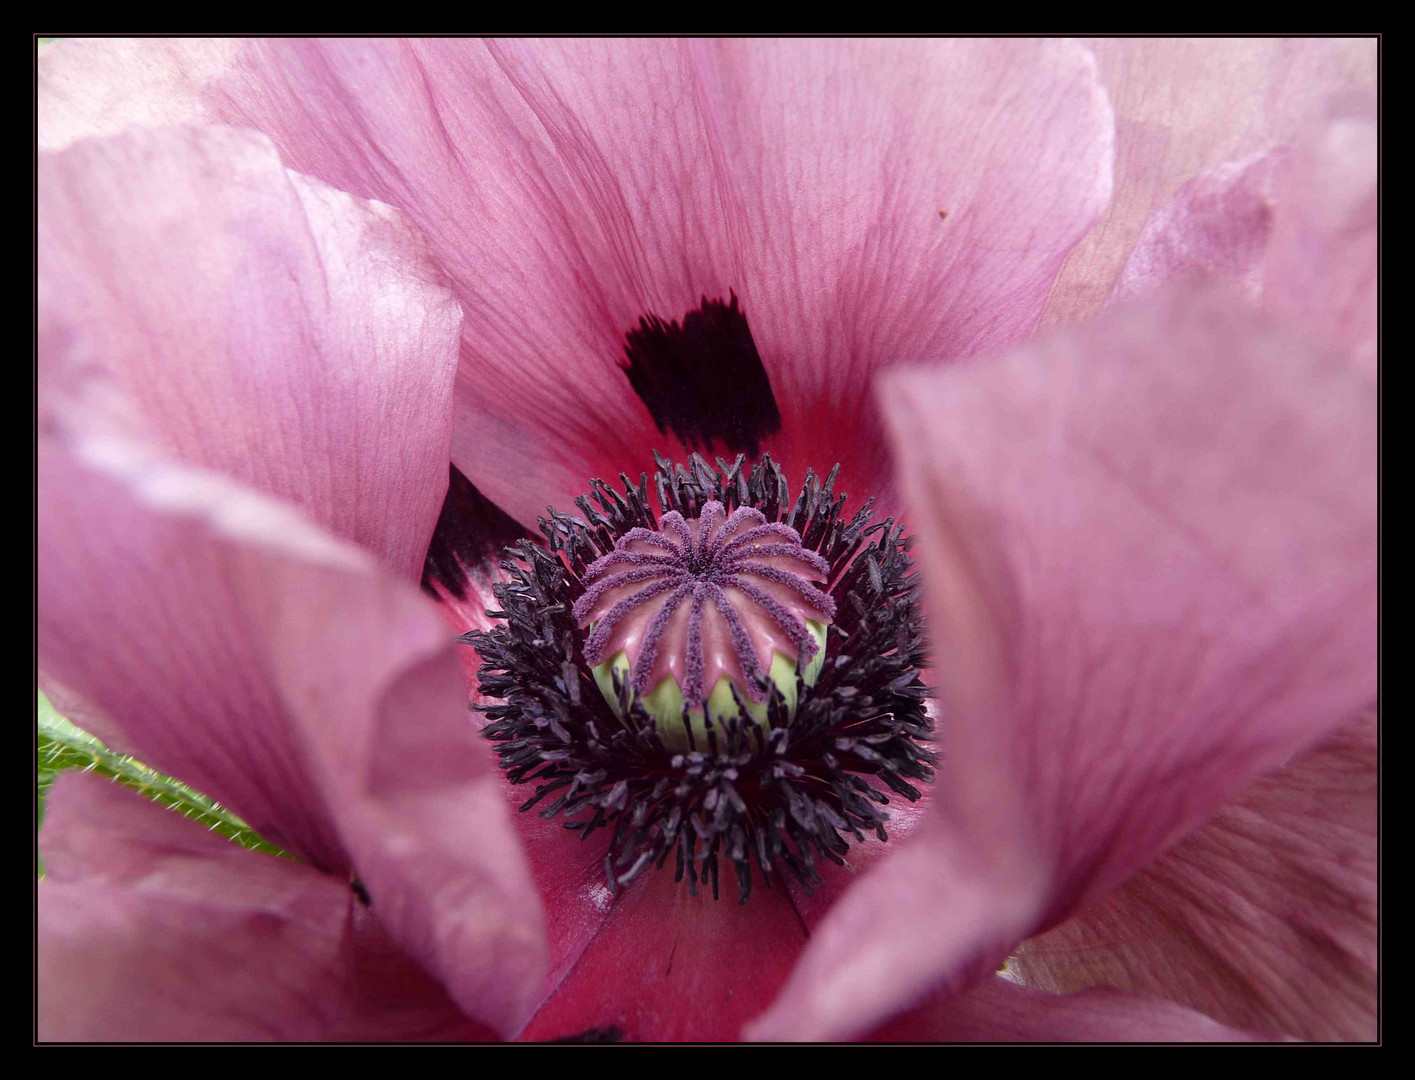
column 283, row 284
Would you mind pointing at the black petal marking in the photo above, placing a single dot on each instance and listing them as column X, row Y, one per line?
column 782, row 797
column 703, row 380
column 471, row 532
column 360, row 891
column 609, row 1034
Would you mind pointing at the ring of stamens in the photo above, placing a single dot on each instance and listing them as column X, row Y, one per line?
column 777, row 794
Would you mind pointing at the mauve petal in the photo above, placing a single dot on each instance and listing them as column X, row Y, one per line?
column 1295, row 231
column 416, row 793
column 933, row 914
column 571, row 187
column 535, row 236
column 1218, row 225
column 596, row 937
column 285, row 674
column 998, row 1010
column 253, row 322
column 1150, row 557
column 846, row 156
column 102, row 86
column 569, row 876
column 138, row 618
column 666, row 966
column 593, row 934
column 1321, row 270
column 1264, row 918
column 1186, row 105
column 152, row 928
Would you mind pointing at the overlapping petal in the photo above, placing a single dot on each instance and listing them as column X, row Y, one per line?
column 254, row 322
column 1150, row 548
column 1322, row 266
column 998, row 1010
column 1188, row 105
column 1265, row 918
column 1295, row 229
column 307, row 350
column 1150, row 551
column 870, row 202
column 154, row 929
column 235, row 645
column 1218, row 225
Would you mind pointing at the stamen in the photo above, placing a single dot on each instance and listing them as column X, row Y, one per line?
column 738, row 728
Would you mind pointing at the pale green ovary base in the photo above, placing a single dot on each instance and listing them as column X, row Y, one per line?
column 665, row 701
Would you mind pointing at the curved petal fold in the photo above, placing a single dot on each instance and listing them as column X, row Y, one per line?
column 845, row 191
column 1294, row 229
column 999, row 1010
column 235, row 645
column 1218, row 225
column 1187, row 105
column 197, row 296
column 1149, row 549
column 934, row 915
column 154, row 929
column 1264, row 919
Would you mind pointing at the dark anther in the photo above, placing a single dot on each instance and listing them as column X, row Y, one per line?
column 360, row 892
column 792, row 794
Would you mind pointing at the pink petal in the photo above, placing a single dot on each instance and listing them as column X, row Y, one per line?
column 102, row 86
column 1264, row 918
column 280, row 671
column 254, row 322
column 932, row 914
column 845, row 157
column 675, row 964
column 666, row 966
column 570, row 188
column 1186, row 105
column 1218, row 225
column 569, row 876
column 1322, row 263
column 998, row 1010
column 1150, row 554
column 1295, row 232
column 152, row 928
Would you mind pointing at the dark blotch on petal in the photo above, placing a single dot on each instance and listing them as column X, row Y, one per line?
column 609, row 1034
column 703, row 380
column 360, row 891
column 471, row 532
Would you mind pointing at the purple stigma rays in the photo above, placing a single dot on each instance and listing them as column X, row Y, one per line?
column 705, row 598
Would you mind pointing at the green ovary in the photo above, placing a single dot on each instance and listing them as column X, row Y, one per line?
column 665, row 701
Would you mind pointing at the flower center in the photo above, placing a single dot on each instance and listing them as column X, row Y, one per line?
column 702, row 613
column 733, row 677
